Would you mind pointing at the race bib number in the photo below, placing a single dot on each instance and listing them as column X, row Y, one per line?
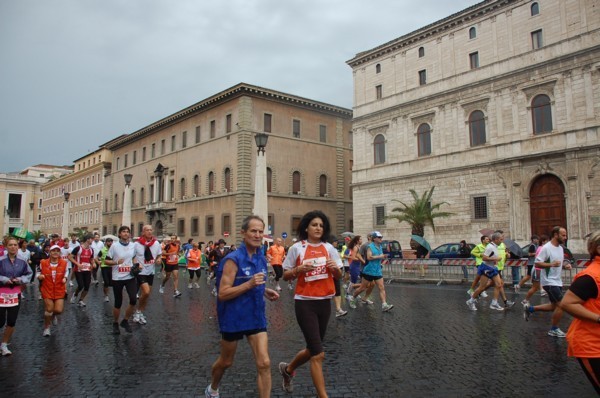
column 85, row 267
column 320, row 269
column 173, row 258
column 124, row 269
column 9, row 297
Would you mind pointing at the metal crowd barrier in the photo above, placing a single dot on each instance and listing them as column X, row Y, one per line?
column 450, row 270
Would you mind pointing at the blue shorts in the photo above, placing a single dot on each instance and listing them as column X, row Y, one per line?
column 355, row 272
column 554, row 293
column 487, row 271
column 234, row 336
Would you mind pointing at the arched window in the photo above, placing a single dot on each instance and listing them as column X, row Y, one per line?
column 378, row 68
column 182, row 192
column 322, row 185
column 296, row 182
column 421, row 52
column 472, row 33
column 379, row 147
column 535, row 9
column 541, row 113
column 196, row 187
column 477, row 128
column 424, row 139
column 142, row 197
column 269, row 179
column 227, row 179
column 211, row 183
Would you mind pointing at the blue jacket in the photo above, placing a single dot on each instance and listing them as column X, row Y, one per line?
column 18, row 269
column 247, row 311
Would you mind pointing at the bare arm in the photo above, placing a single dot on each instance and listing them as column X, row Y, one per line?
column 226, row 289
column 572, row 304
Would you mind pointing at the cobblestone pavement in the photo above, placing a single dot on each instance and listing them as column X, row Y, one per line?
column 429, row 345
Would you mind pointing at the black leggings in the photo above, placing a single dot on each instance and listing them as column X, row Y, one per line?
column 591, row 368
column 313, row 317
column 106, row 276
column 196, row 272
column 278, row 269
column 130, row 285
column 9, row 315
column 84, row 278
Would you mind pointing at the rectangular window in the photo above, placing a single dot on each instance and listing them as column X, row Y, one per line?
column 118, row 166
column 210, row 225
column 480, row 208
column 378, row 92
column 140, row 228
column 226, row 226
column 267, row 119
column 422, row 77
column 380, row 215
column 474, row 60
column 323, row 133
column 134, row 160
column 295, row 223
column 213, row 128
column 536, row 39
column 124, row 162
column 153, row 151
column 184, row 139
column 197, row 134
column 194, row 226
column 143, row 154
column 173, row 141
column 228, row 124
column 181, row 227
column 163, row 147
column 296, row 128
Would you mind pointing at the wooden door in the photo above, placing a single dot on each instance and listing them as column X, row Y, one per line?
column 547, row 204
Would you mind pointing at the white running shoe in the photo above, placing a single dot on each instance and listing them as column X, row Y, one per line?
column 556, row 333
column 471, row 304
column 290, row 286
column 106, row 300
column 366, row 301
column 385, row 307
column 197, row 286
column 177, row 294
column 143, row 320
column 73, row 299
column 46, row 332
column 55, row 320
column 483, row 294
column 81, row 304
column 161, row 290
column 4, row 350
column 496, row 306
column 189, row 285
column 340, row 313
column 136, row 317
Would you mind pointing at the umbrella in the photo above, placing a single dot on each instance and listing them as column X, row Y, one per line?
column 512, row 247
column 20, row 233
column 347, row 234
column 109, row 236
column 420, row 240
column 486, row 232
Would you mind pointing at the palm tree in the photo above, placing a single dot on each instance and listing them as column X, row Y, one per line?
column 420, row 213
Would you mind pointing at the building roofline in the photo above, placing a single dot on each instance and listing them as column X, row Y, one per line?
column 224, row 96
column 434, row 29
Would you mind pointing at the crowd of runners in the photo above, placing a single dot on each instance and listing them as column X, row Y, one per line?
column 317, row 269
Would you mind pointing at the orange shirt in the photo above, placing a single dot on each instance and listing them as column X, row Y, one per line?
column 584, row 336
column 53, row 286
column 194, row 259
column 276, row 253
column 172, row 254
column 317, row 284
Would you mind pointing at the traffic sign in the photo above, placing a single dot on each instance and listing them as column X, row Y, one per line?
column 226, row 234
column 284, row 235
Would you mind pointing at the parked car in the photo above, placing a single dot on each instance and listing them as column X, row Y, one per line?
column 448, row 250
column 391, row 248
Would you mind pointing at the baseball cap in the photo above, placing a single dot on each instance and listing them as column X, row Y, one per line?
column 376, row 234
column 54, row 247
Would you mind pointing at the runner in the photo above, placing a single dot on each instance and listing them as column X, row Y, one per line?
column 194, row 257
column 147, row 252
column 53, row 273
column 172, row 266
column 241, row 289
column 14, row 272
column 105, row 269
column 82, row 258
column 121, row 256
column 535, row 273
column 97, row 246
column 275, row 256
column 315, row 263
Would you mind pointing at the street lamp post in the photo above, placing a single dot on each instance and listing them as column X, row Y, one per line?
column 260, row 180
column 65, row 224
column 127, row 201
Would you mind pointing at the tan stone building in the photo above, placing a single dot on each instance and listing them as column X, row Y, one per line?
column 20, row 199
column 193, row 171
column 498, row 107
column 85, row 189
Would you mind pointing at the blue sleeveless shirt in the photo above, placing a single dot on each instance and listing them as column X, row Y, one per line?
column 374, row 266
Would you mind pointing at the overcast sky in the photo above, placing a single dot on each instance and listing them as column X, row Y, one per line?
column 76, row 73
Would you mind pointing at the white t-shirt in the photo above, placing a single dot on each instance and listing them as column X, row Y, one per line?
column 24, row 255
column 156, row 251
column 550, row 253
column 64, row 254
column 117, row 252
column 491, row 250
column 97, row 246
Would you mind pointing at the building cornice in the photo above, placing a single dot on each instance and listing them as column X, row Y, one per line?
column 239, row 90
column 435, row 29
column 76, row 175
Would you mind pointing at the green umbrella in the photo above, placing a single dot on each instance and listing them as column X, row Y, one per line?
column 420, row 240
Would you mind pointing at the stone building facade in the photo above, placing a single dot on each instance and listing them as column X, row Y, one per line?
column 193, row 171
column 86, row 197
column 498, row 107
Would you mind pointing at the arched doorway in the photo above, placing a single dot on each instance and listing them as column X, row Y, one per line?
column 158, row 228
column 547, row 204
